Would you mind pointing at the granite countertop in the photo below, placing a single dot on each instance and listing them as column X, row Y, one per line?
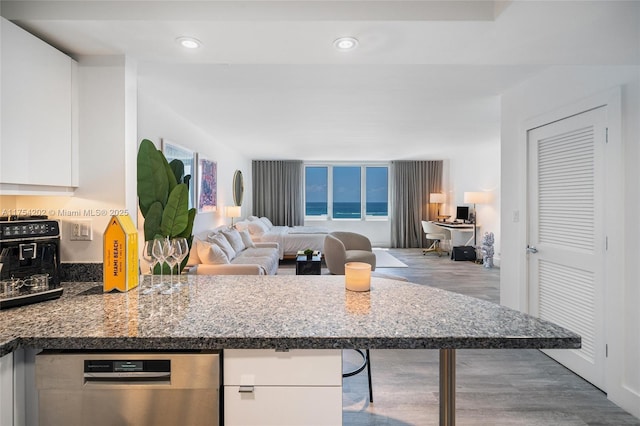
column 223, row 312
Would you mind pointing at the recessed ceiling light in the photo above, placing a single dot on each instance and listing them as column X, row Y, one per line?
column 344, row 44
column 189, row 42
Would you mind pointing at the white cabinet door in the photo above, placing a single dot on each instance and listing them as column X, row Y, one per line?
column 283, row 405
column 297, row 367
column 36, row 145
column 298, row 387
column 6, row 390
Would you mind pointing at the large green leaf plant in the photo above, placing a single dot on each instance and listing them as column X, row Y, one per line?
column 163, row 195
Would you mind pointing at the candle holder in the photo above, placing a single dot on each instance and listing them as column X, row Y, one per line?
column 357, row 276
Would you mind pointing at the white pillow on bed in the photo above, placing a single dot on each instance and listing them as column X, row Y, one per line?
column 252, row 218
column 246, row 239
column 211, row 254
column 267, row 222
column 257, row 227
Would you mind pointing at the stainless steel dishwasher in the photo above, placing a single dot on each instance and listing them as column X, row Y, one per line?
column 128, row 388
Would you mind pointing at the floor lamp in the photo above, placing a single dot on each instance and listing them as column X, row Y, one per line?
column 475, row 198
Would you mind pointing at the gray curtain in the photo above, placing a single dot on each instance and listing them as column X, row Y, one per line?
column 278, row 192
column 411, row 183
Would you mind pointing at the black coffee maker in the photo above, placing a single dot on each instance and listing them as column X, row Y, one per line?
column 29, row 248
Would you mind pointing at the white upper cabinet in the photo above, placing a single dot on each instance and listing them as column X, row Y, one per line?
column 38, row 145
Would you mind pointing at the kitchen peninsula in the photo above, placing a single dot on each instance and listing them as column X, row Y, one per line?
column 282, row 313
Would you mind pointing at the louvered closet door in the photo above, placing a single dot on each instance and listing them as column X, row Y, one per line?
column 565, row 225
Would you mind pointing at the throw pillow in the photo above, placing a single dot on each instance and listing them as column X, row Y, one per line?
column 246, row 239
column 257, row 227
column 242, row 225
column 267, row 222
column 210, row 254
column 222, row 242
column 234, row 239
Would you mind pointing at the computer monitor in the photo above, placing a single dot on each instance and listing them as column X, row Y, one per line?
column 462, row 213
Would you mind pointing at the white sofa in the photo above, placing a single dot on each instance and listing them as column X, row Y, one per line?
column 226, row 251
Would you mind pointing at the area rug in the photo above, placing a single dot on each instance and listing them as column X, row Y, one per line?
column 385, row 260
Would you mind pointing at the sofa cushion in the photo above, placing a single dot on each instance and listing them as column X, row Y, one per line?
column 210, row 253
column 267, row 258
column 235, row 240
column 246, row 239
column 223, row 243
column 257, row 227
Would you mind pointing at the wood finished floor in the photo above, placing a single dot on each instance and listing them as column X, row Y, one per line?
column 493, row 387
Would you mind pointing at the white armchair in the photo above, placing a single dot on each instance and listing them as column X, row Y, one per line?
column 343, row 247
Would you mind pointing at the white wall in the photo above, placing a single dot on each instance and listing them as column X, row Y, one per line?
column 557, row 88
column 157, row 121
column 477, row 169
column 106, row 118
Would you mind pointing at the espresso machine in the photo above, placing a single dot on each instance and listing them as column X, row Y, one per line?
column 29, row 260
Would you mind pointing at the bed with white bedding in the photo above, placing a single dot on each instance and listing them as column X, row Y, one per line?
column 290, row 239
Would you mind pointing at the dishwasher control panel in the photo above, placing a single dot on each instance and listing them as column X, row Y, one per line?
column 127, row 365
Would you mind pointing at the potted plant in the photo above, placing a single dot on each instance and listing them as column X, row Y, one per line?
column 163, row 195
column 309, row 254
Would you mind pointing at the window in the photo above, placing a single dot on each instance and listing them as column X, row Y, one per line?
column 346, row 192
column 377, row 191
column 315, row 190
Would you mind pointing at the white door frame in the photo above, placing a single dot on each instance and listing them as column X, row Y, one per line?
column 614, row 229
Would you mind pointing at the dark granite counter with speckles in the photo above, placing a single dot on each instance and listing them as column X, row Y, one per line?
column 222, row 312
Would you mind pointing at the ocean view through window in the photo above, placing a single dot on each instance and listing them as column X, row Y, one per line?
column 347, row 192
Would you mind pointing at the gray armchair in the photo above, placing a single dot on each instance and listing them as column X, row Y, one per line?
column 343, row 247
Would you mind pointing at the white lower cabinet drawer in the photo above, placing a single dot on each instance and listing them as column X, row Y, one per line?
column 297, row 367
column 283, row 406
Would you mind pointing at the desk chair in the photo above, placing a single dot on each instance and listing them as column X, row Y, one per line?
column 437, row 234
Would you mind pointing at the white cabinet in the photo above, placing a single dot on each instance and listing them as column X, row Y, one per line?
column 6, row 390
column 298, row 387
column 38, row 140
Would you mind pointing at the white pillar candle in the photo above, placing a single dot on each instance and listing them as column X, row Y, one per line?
column 357, row 276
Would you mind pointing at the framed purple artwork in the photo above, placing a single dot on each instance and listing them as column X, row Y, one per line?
column 207, row 185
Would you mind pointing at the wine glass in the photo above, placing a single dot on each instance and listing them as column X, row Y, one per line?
column 147, row 255
column 173, row 253
column 184, row 252
column 159, row 251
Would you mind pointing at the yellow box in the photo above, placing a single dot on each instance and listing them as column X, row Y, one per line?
column 120, row 254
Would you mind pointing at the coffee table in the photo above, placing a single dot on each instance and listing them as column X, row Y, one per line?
column 306, row 266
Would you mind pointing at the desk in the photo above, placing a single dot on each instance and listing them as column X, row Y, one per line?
column 458, row 231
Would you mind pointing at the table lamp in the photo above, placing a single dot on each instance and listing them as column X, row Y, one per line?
column 437, row 198
column 475, row 198
column 232, row 211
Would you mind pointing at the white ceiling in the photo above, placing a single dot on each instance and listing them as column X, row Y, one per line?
column 425, row 81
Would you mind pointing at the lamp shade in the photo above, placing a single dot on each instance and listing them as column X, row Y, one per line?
column 436, row 198
column 232, row 211
column 476, row 197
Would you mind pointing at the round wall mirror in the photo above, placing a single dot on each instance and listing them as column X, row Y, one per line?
column 238, row 188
